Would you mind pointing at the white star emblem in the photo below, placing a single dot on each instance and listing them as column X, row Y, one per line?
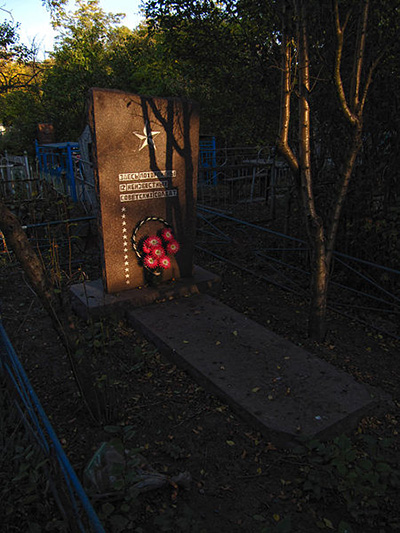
column 148, row 136
column 123, row 209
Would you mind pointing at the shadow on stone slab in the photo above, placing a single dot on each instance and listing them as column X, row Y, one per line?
column 280, row 389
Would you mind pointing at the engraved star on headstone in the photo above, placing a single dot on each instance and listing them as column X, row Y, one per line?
column 148, row 136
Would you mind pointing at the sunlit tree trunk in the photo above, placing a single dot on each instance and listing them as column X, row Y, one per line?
column 314, row 223
column 321, row 235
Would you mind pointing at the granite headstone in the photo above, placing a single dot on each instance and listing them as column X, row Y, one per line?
column 145, row 154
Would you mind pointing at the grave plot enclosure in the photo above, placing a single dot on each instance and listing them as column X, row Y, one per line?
column 146, row 155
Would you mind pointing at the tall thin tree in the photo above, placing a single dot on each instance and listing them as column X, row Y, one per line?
column 321, row 231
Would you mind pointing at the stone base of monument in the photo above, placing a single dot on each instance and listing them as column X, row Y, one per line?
column 89, row 299
column 282, row 390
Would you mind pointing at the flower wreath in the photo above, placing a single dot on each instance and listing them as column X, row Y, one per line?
column 153, row 251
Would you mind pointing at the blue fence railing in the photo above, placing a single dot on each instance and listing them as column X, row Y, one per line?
column 35, row 418
column 55, row 160
column 208, row 161
column 62, row 164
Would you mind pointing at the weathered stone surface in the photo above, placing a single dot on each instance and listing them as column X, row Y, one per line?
column 90, row 300
column 146, row 155
column 281, row 389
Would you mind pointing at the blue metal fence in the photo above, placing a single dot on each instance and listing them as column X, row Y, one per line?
column 36, row 419
column 63, row 166
column 55, row 161
column 208, row 161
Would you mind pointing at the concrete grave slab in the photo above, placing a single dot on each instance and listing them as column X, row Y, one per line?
column 281, row 389
column 90, row 299
column 145, row 153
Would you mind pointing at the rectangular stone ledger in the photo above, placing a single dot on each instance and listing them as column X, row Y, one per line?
column 281, row 389
column 146, row 156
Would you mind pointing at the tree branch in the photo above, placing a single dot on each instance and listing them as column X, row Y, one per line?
column 341, row 197
column 368, row 83
column 282, row 141
column 304, row 111
column 359, row 57
column 37, row 277
column 338, row 61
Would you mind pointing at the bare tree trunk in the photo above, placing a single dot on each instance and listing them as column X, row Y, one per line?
column 352, row 108
column 321, row 237
column 17, row 239
column 314, row 223
column 319, row 286
column 301, row 168
column 286, row 91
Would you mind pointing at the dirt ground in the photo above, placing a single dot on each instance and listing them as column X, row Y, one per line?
column 240, row 481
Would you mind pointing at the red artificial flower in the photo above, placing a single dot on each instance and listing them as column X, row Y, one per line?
column 173, row 247
column 150, row 261
column 158, row 252
column 146, row 249
column 164, row 262
column 151, row 242
column 167, row 234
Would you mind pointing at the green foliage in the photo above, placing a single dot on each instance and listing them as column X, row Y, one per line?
column 19, row 90
column 19, row 95
column 20, row 111
column 223, row 56
column 138, row 63
column 362, row 473
column 80, row 61
column 10, row 47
